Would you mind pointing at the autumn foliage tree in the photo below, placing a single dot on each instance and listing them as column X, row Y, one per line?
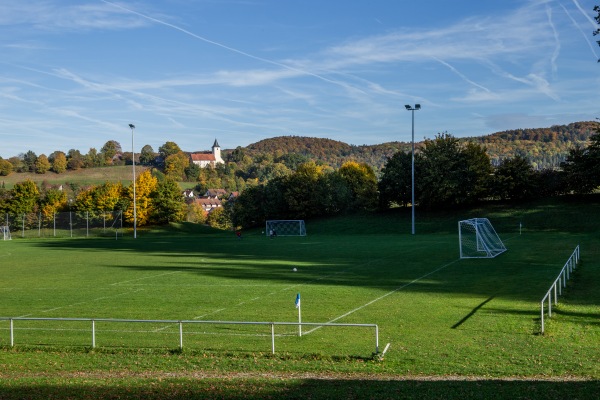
column 58, row 159
column 145, row 185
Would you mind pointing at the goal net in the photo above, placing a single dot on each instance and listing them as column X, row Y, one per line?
column 478, row 239
column 285, row 228
column 5, row 232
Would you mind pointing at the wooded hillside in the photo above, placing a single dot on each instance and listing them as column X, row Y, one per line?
column 543, row 147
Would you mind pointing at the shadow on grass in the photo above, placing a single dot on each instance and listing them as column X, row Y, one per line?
column 252, row 388
column 473, row 312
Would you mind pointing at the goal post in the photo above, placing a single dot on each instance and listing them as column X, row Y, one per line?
column 5, row 232
column 287, row 227
column 478, row 239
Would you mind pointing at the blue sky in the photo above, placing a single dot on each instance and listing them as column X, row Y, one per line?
column 74, row 74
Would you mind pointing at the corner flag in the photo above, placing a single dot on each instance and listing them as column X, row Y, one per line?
column 299, row 314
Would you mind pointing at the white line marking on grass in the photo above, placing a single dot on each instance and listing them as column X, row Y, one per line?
column 198, row 317
column 385, row 295
column 210, row 313
column 83, row 302
column 146, row 277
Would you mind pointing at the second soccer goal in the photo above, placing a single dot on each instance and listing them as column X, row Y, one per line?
column 478, row 239
column 286, row 227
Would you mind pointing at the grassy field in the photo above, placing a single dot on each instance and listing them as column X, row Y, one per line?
column 81, row 177
column 456, row 328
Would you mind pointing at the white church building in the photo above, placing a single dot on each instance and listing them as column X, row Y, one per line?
column 206, row 159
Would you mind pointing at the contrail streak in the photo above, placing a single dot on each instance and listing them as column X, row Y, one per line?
column 265, row 60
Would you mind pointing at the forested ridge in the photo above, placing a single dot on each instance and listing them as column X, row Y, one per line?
column 543, row 147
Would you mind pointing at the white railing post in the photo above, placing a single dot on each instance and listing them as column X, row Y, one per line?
column 549, row 304
column 376, row 339
column 555, row 296
column 559, row 287
column 12, row 333
column 542, row 316
column 93, row 334
column 272, row 338
column 180, row 335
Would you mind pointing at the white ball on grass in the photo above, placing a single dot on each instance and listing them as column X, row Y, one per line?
column 295, row 269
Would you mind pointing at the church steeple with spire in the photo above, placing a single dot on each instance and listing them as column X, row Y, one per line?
column 216, row 149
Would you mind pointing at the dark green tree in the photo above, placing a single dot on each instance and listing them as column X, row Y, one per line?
column 395, row 182
column 582, row 167
column 167, row 149
column 451, row 174
column 514, row 179
column 29, row 160
column 109, row 150
column 169, row 204
column 147, row 155
column 249, row 208
column 75, row 160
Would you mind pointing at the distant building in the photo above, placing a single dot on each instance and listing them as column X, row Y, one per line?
column 208, row 204
column 206, row 159
column 215, row 193
column 188, row 193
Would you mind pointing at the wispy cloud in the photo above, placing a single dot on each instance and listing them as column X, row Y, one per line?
column 49, row 16
column 581, row 30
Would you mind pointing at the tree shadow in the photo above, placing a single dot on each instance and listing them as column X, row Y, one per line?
column 311, row 388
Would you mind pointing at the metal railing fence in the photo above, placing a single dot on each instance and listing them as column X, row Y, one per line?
column 65, row 224
column 559, row 283
column 181, row 324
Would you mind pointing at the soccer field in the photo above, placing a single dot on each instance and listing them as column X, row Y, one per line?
column 440, row 314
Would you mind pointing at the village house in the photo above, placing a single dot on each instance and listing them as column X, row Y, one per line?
column 208, row 204
column 188, row 193
column 215, row 193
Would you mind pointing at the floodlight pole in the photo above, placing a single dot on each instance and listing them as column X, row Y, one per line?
column 133, row 163
column 412, row 173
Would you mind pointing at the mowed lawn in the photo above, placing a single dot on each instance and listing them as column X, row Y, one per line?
column 464, row 329
column 441, row 316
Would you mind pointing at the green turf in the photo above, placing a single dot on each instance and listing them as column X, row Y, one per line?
column 442, row 316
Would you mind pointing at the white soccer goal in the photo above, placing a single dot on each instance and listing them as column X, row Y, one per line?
column 5, row 232
column 280, row 227
column 478, row 239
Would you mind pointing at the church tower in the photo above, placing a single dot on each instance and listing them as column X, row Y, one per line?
column 216, row 149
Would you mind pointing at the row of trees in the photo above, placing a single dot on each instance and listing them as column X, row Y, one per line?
column 449, row 173
column 310, row 191
column 157, row 201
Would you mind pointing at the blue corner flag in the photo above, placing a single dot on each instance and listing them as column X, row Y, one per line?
column 298, row 300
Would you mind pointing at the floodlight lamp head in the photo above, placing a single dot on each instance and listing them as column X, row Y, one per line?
column 132, row 126
column 407, row 107
column 417, row 106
